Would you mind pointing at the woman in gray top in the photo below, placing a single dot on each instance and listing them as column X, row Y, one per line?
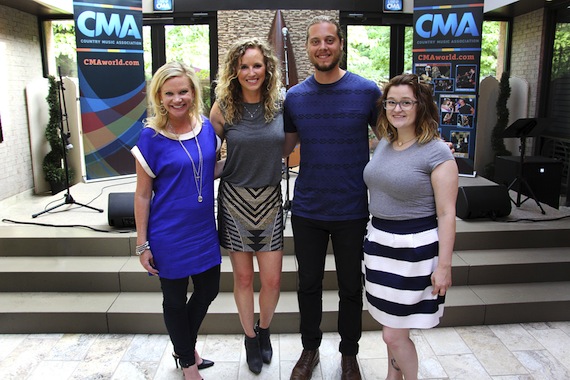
column 248, row 115
column 412, row 181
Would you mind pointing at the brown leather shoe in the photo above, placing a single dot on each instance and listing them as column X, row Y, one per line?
column 350, row 370
column 303, row 370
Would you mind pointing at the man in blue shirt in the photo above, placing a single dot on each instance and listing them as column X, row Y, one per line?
column 329, row 114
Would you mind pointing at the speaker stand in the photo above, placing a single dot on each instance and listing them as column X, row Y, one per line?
column 523, row 182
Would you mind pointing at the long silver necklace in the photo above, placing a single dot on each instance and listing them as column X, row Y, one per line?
column 198, row 171
column 253, row 114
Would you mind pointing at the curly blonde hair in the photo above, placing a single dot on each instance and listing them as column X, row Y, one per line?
column 228, row 89
column 159, row 121
column 426, row 110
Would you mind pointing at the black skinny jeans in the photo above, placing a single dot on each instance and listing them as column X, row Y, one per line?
column 311, row 240
column 183, row 319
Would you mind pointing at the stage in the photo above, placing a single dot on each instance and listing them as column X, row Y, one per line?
column 19, row 209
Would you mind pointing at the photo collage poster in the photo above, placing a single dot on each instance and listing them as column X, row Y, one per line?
column 447, row 54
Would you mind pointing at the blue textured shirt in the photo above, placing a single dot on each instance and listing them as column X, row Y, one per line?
column 332, row 124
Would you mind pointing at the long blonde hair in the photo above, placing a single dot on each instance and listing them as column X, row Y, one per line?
column 228, row 88
column 159, row 120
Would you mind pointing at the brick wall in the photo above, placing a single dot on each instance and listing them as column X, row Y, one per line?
column 233, row 25
column 526, row 60
column 20, row 62
column 526, row 52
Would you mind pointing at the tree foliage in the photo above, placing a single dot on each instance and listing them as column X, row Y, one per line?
column 497, row 141
column 561, row 51
column 369, row 50
column 53, row 164
column 489, row 51
column 64, row 47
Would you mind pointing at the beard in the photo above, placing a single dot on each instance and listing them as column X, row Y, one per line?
column 330, row 66
column 325, row 68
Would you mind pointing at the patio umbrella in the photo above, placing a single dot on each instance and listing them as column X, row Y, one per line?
column 280, row 38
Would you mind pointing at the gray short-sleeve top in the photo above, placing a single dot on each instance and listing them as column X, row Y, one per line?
column 399, row 182
column 254, row 150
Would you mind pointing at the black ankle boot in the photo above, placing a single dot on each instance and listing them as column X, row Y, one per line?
column 253, row 354
column 264, row 343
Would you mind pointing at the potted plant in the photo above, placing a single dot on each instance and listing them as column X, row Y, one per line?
column 53, row 164
column 497, row 142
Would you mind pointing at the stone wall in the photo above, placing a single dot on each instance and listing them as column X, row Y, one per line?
column 526, row 52
column 20, row 63
column 233, row 25
column 526, row 61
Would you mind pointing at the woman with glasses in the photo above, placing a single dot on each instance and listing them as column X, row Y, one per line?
column 412, row 180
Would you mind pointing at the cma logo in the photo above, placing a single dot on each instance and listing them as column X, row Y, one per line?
column 430, row 25
column 93, row 24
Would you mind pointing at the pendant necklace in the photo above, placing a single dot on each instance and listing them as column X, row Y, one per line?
column 400, row 143
column 254, row 113
column 198, row 171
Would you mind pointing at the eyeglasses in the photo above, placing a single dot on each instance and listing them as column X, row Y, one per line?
column 404, row 104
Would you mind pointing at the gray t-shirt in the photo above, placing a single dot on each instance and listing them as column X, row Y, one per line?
column 399, row 182
column 254, row 152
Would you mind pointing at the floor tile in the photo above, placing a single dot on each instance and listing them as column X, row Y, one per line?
column 532, row 351
column 490, row 351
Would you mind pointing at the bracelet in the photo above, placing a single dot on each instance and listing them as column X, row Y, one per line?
column 139, row 250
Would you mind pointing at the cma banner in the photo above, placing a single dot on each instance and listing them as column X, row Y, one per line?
column 447, row 55
column 111, row 83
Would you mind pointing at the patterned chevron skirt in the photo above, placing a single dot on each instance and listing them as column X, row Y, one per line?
column 250, row 220
column 399, row 258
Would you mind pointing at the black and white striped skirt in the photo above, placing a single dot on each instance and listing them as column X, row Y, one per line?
column 250, row 220
column 399, row 258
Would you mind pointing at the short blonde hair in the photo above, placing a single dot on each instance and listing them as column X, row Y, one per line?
column 157, row 120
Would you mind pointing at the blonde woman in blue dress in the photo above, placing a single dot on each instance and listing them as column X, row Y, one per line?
column 412, row 181
column 174, row 207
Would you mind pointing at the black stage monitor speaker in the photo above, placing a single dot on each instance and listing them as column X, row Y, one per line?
column 483, row 202
column 121, row 210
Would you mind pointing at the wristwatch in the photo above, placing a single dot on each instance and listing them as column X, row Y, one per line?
column 139, row 250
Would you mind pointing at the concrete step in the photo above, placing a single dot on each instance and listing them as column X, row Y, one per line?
column 117, row 274
column 141, row 312
column 77, row 280
column 64, row 241
column 503, row 266
column 124, row 273
column 24, row 240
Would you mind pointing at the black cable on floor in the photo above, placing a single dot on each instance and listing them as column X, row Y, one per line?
column 66, row 225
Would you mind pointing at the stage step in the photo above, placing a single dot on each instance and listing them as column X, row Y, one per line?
column 78, row 280
column 124, row 274
column 141, row 312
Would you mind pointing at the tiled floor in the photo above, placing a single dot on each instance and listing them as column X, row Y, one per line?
column 505, row 352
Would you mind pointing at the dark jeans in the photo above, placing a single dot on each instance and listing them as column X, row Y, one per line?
column 183, row 319
column 311, row 240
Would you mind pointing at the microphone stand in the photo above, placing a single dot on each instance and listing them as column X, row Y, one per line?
column 64, row 144
column 286, row 58
column 287, row 203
